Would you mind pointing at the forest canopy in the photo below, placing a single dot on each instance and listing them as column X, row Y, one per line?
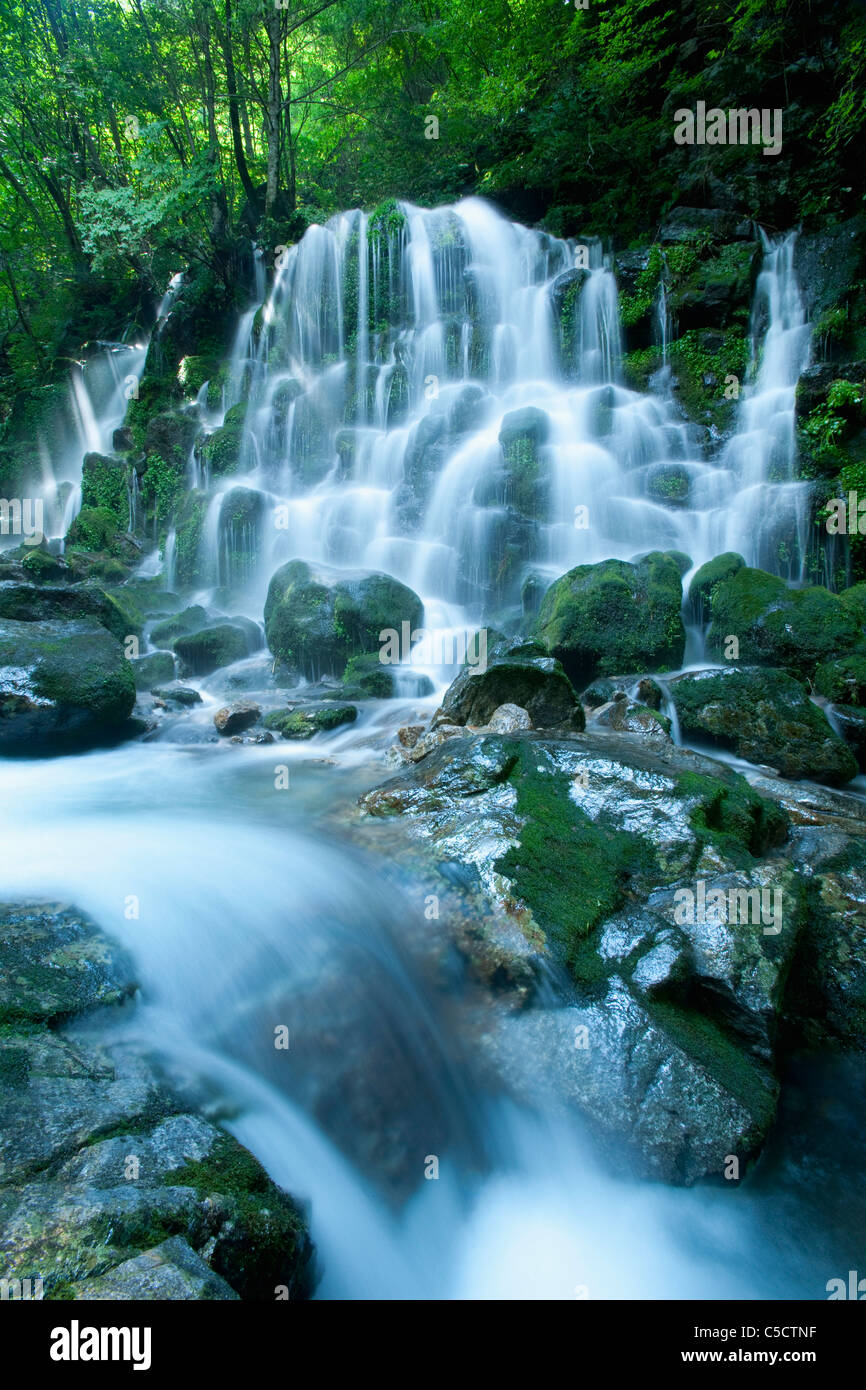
column 138, row 137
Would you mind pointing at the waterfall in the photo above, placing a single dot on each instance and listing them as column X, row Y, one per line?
column 392, row 351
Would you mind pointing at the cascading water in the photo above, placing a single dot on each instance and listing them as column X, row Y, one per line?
column 437, row 394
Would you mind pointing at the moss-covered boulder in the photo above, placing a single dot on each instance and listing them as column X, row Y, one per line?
column 764, row 716
column 305, row 721
column 170, row 436
column 189, row 523
column 317, row 618
column 105, row 484
column 212, row 647
column 370, row 677
column 712, row 292
column 844, row 680
column 27, row 603
column 42, row 567
column 854, row 600
column 96, row 529
column 709, row 575
column 61, row 683
column 795, row 629
column 150, row 670
column 519, row 674
column 221, row 451
column 179, row 625
column 615, row 616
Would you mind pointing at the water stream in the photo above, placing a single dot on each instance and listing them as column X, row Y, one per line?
column 258, row 908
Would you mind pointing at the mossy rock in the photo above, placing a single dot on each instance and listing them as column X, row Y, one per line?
column 370, row 677
column 615, row 616
column 715, row 289
column 764, row 716
column 795, row 629
column 189, row 523
column 854, row 600
column 179, row 625
column 195, row 370
column 149, row 670
column 44, row 568
column 170, row 435
column 96, row 528
column 117, row 612
column 669, row 484
column 202, row 652
column 518, row 676
column 68, row 684
column 709, row 575
column 221, row 451
column 104, row 485
column 522, row 435
column 317, row 618
column 304, row 723
column 843, row 680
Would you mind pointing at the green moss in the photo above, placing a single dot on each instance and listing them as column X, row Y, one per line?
column 572, row 872
column 104, row 486
column 777, row 626
column 95, row 529
column 843, row 681
column 731, row 816
column 161, row 486
column 700, row 364
column 303, row 724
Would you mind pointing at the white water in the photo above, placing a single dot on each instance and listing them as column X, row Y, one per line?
column 252, row 914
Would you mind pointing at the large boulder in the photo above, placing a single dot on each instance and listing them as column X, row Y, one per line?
column 27, row 603
column 764, row 716
column 615, row 616
column 317, row 618
column 61, row 683
column 709, row 575
column 519, row 673
column 219, row 645
column 777, row 626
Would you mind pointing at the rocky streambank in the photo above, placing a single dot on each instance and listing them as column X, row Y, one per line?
column 113, row 1182
column 659, row 934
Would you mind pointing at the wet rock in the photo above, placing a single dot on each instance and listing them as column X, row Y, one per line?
column 150, row 669
column 234, row 719
column 851, row 723
column 509, row 719
column 61, row 684
column 795, row 629
column 409, row 734
column 214, row 647
column 709, row 575
column 178, row 694
column 303, row 723
column 100, row 1160
column 628, row 718
column 621, row 1064
column 171, row 1270
column 33, row 603
column 519, row 674
column 179, row 625
column 317, row 618
column 764, row 716
column 843, row 680
column 615, row 616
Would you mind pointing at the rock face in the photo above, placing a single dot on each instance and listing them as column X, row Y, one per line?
column 665, row 1035
column 765, row 716
column 316, row 619
column 795, row 629
column 615, row 616
column 28, row 603
column 61, row 684
column 519, row 673
column 110, row 1186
